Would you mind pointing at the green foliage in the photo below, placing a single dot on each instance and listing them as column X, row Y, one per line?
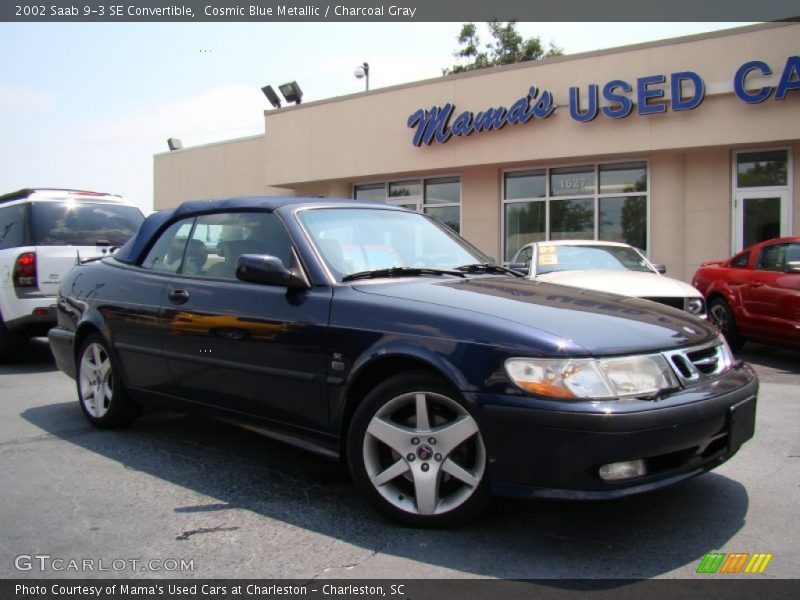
column 507, row 47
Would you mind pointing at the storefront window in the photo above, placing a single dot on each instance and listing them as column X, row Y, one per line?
column 405, row 189
column 526, row 184
column 624, row 220
column 572, row 219
column 372, row 191
column 444, row 190
column 525, row 222
column 574, row 206
column 449, row 215
column 762, row 169
column 572, row 181
column 443, row 200
column 623, row 178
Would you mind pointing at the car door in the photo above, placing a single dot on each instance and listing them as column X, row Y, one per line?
column 772, row 295
column 244, row 347
column 133, row 312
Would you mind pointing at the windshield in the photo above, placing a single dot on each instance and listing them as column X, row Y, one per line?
column 353, row 240
column 552, row 258
column 84, row 223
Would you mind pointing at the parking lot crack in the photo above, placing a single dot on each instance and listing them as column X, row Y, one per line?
column 187, row 534
column 327, row 570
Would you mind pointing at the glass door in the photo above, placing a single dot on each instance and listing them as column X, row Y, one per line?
column 760, row 216
column 762, row 191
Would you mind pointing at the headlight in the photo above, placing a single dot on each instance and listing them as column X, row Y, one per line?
column 695, row 306
column 603, row 378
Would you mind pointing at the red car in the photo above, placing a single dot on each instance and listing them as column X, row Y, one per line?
column 755, row 295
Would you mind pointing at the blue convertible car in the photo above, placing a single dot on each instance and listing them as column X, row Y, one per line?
column 379, row 337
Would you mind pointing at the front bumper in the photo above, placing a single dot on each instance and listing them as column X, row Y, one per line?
column 554, row 449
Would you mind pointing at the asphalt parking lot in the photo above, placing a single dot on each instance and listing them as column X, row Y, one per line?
column 230, row 504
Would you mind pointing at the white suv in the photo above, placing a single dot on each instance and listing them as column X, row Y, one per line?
column 43, row 233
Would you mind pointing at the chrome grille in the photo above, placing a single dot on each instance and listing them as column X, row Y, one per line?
column 693, row 365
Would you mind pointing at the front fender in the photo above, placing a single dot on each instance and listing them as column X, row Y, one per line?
column 408, row 349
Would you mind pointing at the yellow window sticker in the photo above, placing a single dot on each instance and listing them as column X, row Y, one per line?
column 548, row 259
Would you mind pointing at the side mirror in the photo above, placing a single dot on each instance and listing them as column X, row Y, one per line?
column 520, row 267
column 269, row 270
column 660, row 268
column 793, row 266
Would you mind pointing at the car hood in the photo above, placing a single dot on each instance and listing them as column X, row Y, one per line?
column 600, row 323
column 627, row 283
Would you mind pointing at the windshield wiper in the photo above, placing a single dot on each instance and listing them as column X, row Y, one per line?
column 400, row 272
column 487, row 268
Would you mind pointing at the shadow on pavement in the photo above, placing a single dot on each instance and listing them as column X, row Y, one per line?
column 772, row 357
column 33, row 357
column 638, row 537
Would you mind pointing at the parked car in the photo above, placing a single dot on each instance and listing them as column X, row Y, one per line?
column 42, row 234
column 439, row 378
column 755, row 295
column 611, row 267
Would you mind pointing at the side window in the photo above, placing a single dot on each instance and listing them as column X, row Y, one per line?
column 166, row 254
column 771, row 258
column 792, row 258
column 740, row 262
column 527, row 255
column 12, row 226
column 219, row 240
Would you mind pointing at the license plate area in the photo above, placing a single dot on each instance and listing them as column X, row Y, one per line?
column 741, row 423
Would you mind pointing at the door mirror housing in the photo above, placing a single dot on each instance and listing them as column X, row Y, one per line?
column 520, row 267
column 660, row 268
column 793, row 266
column 270, row 270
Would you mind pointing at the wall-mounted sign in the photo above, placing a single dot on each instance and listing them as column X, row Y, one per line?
column 687, row 91
column 434, row 124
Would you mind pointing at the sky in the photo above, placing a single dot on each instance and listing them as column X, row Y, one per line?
column 88, row 105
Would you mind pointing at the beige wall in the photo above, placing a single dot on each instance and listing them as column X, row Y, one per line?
column 480, row 203
column 234, row 168
column 708, row 208
column 667, row 211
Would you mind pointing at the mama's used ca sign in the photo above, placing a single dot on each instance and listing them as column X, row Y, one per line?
column 687, row 91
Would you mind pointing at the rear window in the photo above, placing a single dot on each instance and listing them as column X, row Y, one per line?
column 12, row 226
column 84, row 223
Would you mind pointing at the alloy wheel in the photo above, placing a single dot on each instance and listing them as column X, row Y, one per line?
column 423, row 453
column 95, row 380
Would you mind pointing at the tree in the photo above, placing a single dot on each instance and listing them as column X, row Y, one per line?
column 507, row 47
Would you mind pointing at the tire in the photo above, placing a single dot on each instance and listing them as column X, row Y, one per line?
column 432, row 474
column 103, row 398
column 720, row 313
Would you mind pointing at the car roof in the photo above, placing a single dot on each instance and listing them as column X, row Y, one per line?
column 156, row 222
column 57, row 194
column 578, row 243
column 770, row 242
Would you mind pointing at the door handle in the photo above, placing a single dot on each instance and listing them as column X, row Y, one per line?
column 178, row 296
column 756, row 284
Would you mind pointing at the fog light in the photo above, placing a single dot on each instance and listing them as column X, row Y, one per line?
column 623, row 470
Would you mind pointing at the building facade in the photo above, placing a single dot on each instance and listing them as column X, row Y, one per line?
column 687, row 148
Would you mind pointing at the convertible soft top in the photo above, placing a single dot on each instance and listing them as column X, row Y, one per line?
column 130, row 252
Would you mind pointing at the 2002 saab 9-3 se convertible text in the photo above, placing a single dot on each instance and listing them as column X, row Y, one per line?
column 376, row 335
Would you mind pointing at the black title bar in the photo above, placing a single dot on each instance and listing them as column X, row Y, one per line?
column 399, row 11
